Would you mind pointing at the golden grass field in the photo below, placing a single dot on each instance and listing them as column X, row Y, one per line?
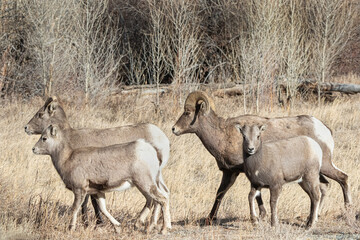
column 34, row 201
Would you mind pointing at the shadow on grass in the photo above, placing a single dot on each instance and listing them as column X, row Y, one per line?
column 202, row 222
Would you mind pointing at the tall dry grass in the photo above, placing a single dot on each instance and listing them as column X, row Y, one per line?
column 34, row 202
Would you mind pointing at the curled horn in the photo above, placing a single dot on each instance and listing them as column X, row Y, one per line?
column 195, row 97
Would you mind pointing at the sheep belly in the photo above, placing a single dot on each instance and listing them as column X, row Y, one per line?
column 124, row 186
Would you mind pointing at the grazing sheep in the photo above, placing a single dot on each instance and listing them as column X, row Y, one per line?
column 53, row 113
column 221, row 139
column 272, row 164
column 96, row 170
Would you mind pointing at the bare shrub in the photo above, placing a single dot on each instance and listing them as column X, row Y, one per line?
column 94, row 43
column 15, row 65
column 333, row 25
column 74, row 46
column 46, row 37
column 91, row 48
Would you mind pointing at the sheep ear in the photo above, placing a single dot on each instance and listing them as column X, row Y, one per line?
column 239, row 128
column 53, row 130
column 203, row 107
column 262, row 128
column 51, row 108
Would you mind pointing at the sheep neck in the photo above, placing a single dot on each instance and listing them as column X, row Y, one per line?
column 60, row 119
column 60, row 156
column 211, row 134
column 252, row 161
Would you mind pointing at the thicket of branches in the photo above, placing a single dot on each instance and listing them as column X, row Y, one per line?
column 93, row 47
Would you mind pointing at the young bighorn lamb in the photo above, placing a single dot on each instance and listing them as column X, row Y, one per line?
column 96, row 170
column 53, row 113
column 222, row 140
column 272, row 164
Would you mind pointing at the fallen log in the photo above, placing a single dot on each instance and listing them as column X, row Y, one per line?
column 329, row 87
column 232, row 89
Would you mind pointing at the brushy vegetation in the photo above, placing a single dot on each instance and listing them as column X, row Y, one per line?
column 94, row 47
column 34, row 201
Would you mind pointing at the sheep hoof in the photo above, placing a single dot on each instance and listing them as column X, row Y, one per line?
column 262, row 212
column 150, row 228
column 86, row 222
column 117, row 229
column 308, row 226
column 255, row 221
column 71, row 227
column 138, row 225
column 274, row 225
column 209, row 221
column 100, row 222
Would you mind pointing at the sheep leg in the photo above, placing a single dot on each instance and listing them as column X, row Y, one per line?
column 78, row 199
column 331, row 171
column 149, row 203
column 100, row 198
column 144, row 213
column 163, row 201
column 251, row 197
column 161, row 198
column 227, row 181
column 99, row 219
column 84, row 211
column 324, row 184
column 313, row 190
column 274, row 196
column 161, row 184
column 262, row 210
column 156, row 214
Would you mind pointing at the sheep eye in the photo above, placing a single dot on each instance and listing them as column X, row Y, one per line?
column 258, row 137
column 44, row 139
column 187, row 113
column 40, row 115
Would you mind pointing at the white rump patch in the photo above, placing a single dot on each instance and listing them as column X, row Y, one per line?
column 316, row 150
column 161, row 143
column 323, row 134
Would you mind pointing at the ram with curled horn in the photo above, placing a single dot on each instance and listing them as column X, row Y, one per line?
column 223, row 141
column 199, row 99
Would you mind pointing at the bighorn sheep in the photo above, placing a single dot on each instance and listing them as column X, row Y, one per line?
column 272, row 164
column 222, row 140
column 53, row 113
column 96, row 170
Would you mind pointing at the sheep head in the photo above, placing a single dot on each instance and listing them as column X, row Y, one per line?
column 197, row 104
column 50, row 113
column 251, row 137
column 48, row 141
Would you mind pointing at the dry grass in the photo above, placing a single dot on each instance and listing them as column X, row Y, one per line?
column 34, row 201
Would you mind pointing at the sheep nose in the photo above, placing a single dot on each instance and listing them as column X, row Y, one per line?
column 250, row 149
column 173, row 129
column 33, row 149
column 26, row 127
